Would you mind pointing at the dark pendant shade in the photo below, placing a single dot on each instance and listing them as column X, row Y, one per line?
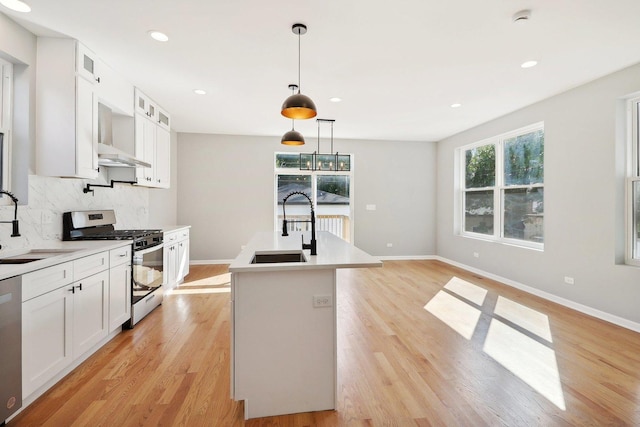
column 293, row 137
column 299, row 107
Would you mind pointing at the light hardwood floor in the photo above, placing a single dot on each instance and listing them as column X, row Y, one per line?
column 411, row 352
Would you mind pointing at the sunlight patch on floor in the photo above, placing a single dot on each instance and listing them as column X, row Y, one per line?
column 467, row 290
column 219, row 284
column 518, row 351
column 529, row 360
column 525, row 317
column 457, row 314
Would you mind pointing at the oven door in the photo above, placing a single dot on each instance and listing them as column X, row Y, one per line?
column 147, row 271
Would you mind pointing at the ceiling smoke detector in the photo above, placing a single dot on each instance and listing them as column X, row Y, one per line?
column 522, row 16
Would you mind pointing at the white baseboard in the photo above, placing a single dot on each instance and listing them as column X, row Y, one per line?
column 406, row 258
column 210, row 261
column 593, row 312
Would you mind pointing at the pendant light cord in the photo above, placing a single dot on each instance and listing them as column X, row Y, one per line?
column 298, row 60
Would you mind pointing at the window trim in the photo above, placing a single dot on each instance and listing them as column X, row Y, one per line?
column 498, row 189
column 6, row 122
column 296, row 171
column 632, row 176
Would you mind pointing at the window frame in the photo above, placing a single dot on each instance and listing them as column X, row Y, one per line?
column 632, row 177
column 499, row 188
column 314, row 188
column 6, row 121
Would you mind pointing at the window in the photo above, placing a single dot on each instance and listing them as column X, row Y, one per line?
column 633, row 188
column 6, row 86
column 502, row 194
column 331, row 193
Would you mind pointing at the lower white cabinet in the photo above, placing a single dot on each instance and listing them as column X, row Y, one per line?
column 46, row 337
column 176, row 258
column 68, row 310
column 119, row 287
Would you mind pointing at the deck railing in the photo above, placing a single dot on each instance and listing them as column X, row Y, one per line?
column 335, row 224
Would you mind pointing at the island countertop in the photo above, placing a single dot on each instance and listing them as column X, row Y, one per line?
column 333, row 253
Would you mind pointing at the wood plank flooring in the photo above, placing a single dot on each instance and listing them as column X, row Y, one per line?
column 479, row 354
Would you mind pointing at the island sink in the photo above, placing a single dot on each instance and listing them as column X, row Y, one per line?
column 278, row 257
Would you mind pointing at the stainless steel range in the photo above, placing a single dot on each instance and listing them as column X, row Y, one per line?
column 147, row 272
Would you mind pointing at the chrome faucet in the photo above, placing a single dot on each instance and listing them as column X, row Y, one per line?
column 16, row 232
column 313, row 244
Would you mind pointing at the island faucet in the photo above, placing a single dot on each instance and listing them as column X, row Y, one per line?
column 16, row 232
column 313, row 244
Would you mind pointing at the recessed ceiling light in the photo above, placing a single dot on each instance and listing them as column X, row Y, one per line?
column 200, row 91
column 159, row 36
column 17, row 5
column 335, row 99
column 456, row 105
column 529, row 64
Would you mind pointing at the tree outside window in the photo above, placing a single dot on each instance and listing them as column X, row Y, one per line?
column 504, row 187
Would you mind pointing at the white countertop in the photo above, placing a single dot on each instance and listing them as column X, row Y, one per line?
column 68, row 251
column 333, row 252
column 171, row 228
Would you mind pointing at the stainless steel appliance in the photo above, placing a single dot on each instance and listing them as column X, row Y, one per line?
column 10, row 347
column 147, row 272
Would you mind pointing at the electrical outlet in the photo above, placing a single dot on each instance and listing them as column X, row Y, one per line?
column 371, row 207
column 389, row 245
column 322, row 301
column 568, row 280
column 476, row 254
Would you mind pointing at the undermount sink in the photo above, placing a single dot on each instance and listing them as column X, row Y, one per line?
column 13, row 260
column 273, row 257
column 34, row 255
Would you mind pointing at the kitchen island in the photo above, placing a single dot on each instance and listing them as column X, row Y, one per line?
column 283, row 315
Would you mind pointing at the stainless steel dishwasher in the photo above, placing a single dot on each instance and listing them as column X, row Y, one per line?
column 10, row 346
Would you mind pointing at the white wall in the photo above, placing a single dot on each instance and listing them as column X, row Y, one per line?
column 226, row 193
column 584, row 204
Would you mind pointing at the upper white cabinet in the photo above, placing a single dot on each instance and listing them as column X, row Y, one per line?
column 148, row 136
column 66, row 110
column 71, row 80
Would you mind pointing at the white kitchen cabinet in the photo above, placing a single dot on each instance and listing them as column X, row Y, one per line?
column 176, row 259
column 148, row 136
column 119, row 287
column 66, row 109
column 64, row 315
column 46, row 337
column 90, row 311
column 114, row 90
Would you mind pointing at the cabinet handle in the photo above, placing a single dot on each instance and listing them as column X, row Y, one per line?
column 123, row 255
column 79, row 286
column 98, row 79
column 72, row 290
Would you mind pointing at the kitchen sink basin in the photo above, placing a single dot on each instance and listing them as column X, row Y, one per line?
column 34, row 255
column 278, row 257
column 13, row 260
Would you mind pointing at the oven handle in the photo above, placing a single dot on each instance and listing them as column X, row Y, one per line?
column 148, row 250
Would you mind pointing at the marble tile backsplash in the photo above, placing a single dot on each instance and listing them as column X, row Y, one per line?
column 49, row 197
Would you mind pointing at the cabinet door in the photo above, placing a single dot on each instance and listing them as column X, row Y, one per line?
column 119, row 295
column 163, row 158
column 86, row 130
column 90, row 311
column 172, row 262
column 87, row 64
column 163, row 119
column 46, row 337
column 183, row 260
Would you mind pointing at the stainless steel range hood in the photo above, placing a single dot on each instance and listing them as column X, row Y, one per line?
column 108, row 155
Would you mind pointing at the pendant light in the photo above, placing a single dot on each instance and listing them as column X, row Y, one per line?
column 333, row 162
column 293, row 137
column 299, row 106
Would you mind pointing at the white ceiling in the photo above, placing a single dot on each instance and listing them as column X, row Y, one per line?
column 398, row 66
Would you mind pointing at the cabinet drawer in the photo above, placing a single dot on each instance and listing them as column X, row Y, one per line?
column 89, row 265
column 40, row 282
column 170, row 237
column 119, row 256
column 183, row 234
